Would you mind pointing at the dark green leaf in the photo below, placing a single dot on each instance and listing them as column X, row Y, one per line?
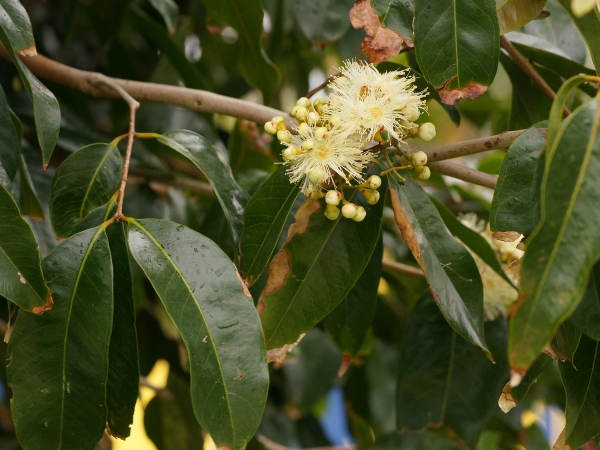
column 15, row 22
column 123, row 368
column 21, row 279
column 312, row 369
column 209, row 160
column 426, row 440
column 564, row 246
column 512, row 206
column 205, row 298
column 322, row 22
column 457, row 44
column 265, row 217
column 566, row 341
column 46, row 110
column 349, row 323
column 246, row 150
column 512, row 396
column 513, row 14
column 316, row 268
column 86, row 180
column 59, row 360
column 4, row 180
column 246, row 18
column 10, row 145
column 588, row 27
column 587, row 315
column 397, row 15
column 29, row 202
column 472, row 239
column 444, row 380
column 449, row 267
column 98, row 216
column 169, row 11
column 583, row 393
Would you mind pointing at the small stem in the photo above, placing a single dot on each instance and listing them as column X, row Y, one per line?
column 392, row 169
column 130, row 136
column 403, row 268
column 391, row 165
column 529, row 69
column 322, row 85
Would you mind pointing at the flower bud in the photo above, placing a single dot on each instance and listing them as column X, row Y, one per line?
column 301, row 113
column 335, row 120
column 320, row 133
column 332, row 212
column 411, row 113
column 349, row 210
column 374, row 182
column 271, row 127
column 278, row 119
column 303, row 128
column 427, row 131
column 382, row 136
column 418, row 158
column 360, row 214
column 284, row 136
column 371, row 195
column 424, row 173
column 317, row 175
column 303, row 101
column 294, row 111
column 320, row 105
column 312, row 118
column 333, row 198
column 288, row 153
column 308, row 145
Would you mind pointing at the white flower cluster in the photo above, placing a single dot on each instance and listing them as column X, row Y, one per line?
column 326, row 150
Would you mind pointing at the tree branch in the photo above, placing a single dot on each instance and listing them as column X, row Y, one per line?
column 403, row 268
column 464, row 173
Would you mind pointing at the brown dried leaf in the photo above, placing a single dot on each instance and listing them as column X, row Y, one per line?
column 277, row 355
column 29, row 51
column 453, row 96
column 506, row 236
column 380, row 43
column 345, row 364
column 506, row 402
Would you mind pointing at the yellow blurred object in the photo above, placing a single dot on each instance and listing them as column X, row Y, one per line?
column 528, row 418
column 138, row 439
column 209, row 444
column 383, row 288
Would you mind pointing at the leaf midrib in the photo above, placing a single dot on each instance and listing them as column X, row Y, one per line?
column 109, row 150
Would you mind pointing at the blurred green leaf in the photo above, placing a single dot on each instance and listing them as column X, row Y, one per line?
column 443, row 380
column 84, row 181
column 10, row 141
column 349, row 323
column 29, row 203
column 247, row 19
column 566, row 341
column 246, row 150
column 15, row 22
column 587, row 315
column 323, row 22
column 45, row 106
column 122, row 387
column 265, row 217
column 512, row 396
column 583, row 393
column 209, row 160
column 457, row 43
column 513, row 14
column 449, row 267
column 588, row 27
column 512, row 206
column 169, row 11
column 316, row 268
column 59, row 360
column 229, row 385
column 4, row 180
column 21, row 279
column 563, row 247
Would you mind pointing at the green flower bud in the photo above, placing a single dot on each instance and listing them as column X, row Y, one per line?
column 301, row 114
column 371, row 195
column 278, row 119
column 411, row 113
column 288, row 153
column 349, row 210
column 335, row 120
column 424, row 173
column 374, row 182
column 308, row 145
column 320, row 133
column 303, row 128
column 418, row 158
column 320, row 105
column 312, row 118
column 271, row 127
column 333, row 197
column 284, row 136
column 303, row 101
column 332, row 212
column 360, row 214
column 317, row 175
column 427, row 131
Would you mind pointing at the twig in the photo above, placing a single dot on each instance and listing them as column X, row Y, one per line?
column 322, row 85
column 403, row 268
column 272, row 445
column 464, row 173
column 145, row 382
column 529, row 69
column 183, row 183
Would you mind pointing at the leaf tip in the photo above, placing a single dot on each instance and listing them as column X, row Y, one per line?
column 345, row 364
column 506, row 402
column 277, row 355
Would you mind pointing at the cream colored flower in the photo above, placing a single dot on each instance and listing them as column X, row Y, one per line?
column 368, row 101
column 314, row 156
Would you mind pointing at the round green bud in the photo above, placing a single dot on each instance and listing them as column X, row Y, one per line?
column 418, row 158
column 294, row 111
column 424, row 173
column 301, row 114
column 288, row 153
column 333, row 197
column 271, row 127
column 320, row 133
column 284, row 136
column 320, row 105
column 312, row 118
column 332, row 212
column 335, row 120
column 308, row 144
column 371, row 195
column 278, row 119
column 303, row 101
column 317, row 175
column 349, row 210
column 303, row 128
column 360, row 214
column 374, row 182
column 426, row 131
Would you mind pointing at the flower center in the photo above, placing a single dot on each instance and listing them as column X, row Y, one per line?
column 376, row 113
column 321, row 152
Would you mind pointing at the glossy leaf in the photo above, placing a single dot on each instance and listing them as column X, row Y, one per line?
column 512, row 206
column 323, row 23
column 457, row 44
column 59, row 360
column 588, row 27
column 4, row 180
column 46, row 110
column 566, row 341
column 349, row 323
column 29, row 202
column 512, row 396
column 85, row 180
column 583, row 393
column 513, row 14
column 123, row 367
column 316, row 268
column 10, row 145
column 21, row 279
column 587, row 315
column 15, row 22
column 562, row 249
column 397, row 15
column 246, row 18
column 209, row 304
column 247, row 150
column 443, row 380
column 169, row 11
column 209, row 160
column 264, row 219
column 451, row 272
